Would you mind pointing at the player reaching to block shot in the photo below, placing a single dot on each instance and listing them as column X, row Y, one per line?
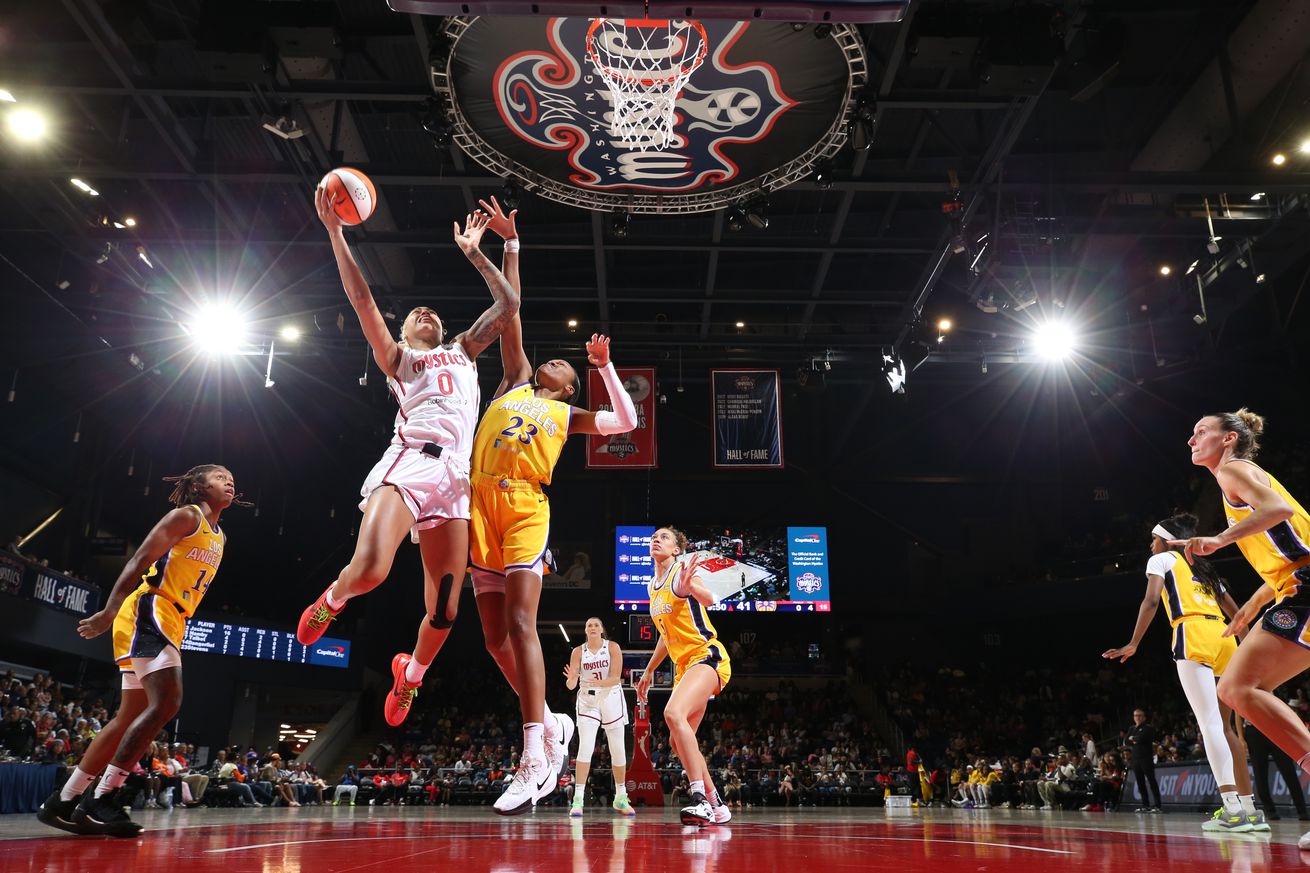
column 518, row 443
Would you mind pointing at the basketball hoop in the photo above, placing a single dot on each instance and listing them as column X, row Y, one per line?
column 645, row 62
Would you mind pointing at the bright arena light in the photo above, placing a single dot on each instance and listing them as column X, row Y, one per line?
column 290, row 333
column 1054, row 340
column 218, row 329
column 27, row 124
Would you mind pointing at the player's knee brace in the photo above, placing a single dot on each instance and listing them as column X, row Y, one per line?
column 440, row 619
column 614, row 737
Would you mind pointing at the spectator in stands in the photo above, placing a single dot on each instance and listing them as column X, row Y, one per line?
column 348, row 786
column 19, row 735
column 278, row 781
column 787, row 785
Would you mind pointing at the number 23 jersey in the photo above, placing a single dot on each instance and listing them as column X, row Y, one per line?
column 521, row 436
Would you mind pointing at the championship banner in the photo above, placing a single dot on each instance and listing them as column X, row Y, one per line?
column 635, row 450
column 747, row 418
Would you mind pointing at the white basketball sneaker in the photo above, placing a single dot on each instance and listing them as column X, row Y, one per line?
column 1304, row 842
column 557, row 743
column 699, row 813
column 722, row 815
column 533, row 780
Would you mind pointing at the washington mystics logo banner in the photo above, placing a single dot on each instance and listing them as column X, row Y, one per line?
column 554, row 100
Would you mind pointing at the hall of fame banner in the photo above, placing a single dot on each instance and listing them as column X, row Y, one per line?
column 635, row 450
column 747, row 410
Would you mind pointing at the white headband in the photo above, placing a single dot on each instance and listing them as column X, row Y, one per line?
column 1163, row 534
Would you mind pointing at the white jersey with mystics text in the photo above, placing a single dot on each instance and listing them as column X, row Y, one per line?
column 604, row 705
column 595, row 665
column 439, row 396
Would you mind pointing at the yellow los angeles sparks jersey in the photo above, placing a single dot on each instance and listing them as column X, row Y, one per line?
column 1278, row 553
column 521, row 436
column 1183, row 594
column 184, row 574
column 683, row 622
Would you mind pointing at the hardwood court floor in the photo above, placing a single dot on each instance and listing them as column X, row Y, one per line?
column 475, row 840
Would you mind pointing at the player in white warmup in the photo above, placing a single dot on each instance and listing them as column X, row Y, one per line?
column 596, row 670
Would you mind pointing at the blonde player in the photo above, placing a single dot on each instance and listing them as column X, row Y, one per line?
column 595, row 669
column 148, row 607
column 1195, row 603
column 678, row 601
column 1272, row 531
column 421, row 484
column 518, row 442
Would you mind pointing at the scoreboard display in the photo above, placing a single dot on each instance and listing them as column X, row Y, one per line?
column 641, row 630
column 244, row 641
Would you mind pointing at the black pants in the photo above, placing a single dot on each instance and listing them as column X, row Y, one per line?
column 1145, row 773
column 1259, row 751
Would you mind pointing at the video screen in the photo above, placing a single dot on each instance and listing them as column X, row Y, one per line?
column 767, row 569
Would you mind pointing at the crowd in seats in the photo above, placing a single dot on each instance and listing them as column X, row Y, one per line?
column 45, row 721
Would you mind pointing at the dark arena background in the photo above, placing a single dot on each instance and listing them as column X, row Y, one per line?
column 918, row 307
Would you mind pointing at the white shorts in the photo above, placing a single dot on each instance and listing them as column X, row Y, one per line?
column 434, row 489
column 491, row 582
column 607, row 706
column 169, row 657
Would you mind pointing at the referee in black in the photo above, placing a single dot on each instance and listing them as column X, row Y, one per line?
column 1141, row 742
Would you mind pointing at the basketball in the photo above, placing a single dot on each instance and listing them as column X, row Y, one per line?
column 352, row 193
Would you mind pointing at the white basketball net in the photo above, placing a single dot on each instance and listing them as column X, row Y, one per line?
column 645, row 62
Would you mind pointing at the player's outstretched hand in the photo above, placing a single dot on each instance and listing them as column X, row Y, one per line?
column 468, row 239
column 1241, row 621
column 571, row 673
column 598, row 350
column 498, row 222
column 688, row 573
column 1198, row 547
column 94, row 625
column 326, row 214
column 1123, row 653
column 643, row 687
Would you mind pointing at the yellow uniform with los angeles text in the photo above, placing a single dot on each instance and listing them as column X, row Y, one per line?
column 685, row 626
column 154, row 615
column 1195, row 620
column 517, row 444
column 1281, row 555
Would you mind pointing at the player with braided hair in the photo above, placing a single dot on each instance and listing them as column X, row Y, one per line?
column 158, row 590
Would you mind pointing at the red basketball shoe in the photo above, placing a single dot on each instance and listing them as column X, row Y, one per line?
column 315, row 619
column 402, row 693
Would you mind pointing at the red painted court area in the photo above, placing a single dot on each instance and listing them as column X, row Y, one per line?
column 474, row 841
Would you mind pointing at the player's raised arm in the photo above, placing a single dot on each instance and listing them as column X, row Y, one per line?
column 1145, row 614
column 623, row 417
column 573, row 669
column 512, row 357
column 491, row 323
column 385, row 349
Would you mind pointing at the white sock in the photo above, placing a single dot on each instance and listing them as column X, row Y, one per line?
column 533, row 746
column 1232, row 805
column 714, row 799
column 78, row 782
column 414, row 671
column 113, row 778
column 1304, row 762
column 334, row 604
column 1248, row 803
column 620, row 789
column 698, row 787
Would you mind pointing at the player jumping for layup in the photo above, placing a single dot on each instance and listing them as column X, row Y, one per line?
column 518, row 442
column 421, row 485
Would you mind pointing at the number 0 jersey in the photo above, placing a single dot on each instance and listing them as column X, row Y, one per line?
column 184, row 574
column 521, row 436
column 438, row 394
column 1280, row 553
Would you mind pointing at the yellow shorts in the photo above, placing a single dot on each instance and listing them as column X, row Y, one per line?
column 510, row 524
column 712, row 654
column 1201, row 640
column 146, row 623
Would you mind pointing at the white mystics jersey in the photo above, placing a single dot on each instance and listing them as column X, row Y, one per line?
column 595, row 665
column 439, row 396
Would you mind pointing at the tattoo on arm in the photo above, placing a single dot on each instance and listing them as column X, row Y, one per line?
column 491, row 323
